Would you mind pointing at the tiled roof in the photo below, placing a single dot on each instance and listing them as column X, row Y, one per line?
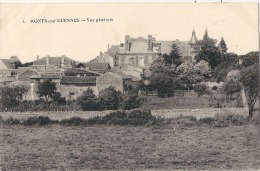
column 47, row 76
column 7, row 79
column 7, row 64
column 98, row 66
column 78, row 80
column 113, row 50
column 53, row 61
column 184, row 48
column 14, row 59
column 81, row 71
column 22, row 69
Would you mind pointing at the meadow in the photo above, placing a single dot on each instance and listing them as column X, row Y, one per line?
column 169, row 146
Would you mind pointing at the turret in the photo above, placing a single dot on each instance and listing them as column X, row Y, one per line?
column 193, row 39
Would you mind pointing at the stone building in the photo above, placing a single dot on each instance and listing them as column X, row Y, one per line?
column 71, row 87
column 52, row 64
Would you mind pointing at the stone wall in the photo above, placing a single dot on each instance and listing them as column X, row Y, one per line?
column 72, row 92
column 109, row 79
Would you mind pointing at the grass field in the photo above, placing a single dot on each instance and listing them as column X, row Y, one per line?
column 169, row 146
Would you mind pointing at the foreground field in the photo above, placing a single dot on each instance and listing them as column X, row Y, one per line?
column 170, row 146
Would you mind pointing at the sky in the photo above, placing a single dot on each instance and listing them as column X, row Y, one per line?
column 82, row 41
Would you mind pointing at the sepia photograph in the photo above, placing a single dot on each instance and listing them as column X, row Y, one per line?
column 129, row 86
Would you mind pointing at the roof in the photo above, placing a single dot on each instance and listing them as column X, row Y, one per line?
column 7, row 79
column 103, row 58
column 125, row 76
column 78, row 80
column 137, row 39
column 81, row 71
column 53, row 61
column 193, row 39
column 47, row 76
column 14, row 59
column 7, row 64
column 184, row 47
column 98, row 66
column 22, row 69
column 113, row 50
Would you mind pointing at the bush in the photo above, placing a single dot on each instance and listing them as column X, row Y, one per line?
column 207, row 120
column 40, row 120
column 231, row 87
column 74, row 121
column 109, row 98
column 88, row 101
column 12, row 121
column 214, row 88
column 131, row 101
column 201, row 89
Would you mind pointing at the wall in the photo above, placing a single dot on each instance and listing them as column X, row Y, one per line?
column 65, row 91
column 109, row 79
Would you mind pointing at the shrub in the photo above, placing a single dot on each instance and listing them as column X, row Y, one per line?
column 74, row 121
column 214, row 88
column 231, row 86
column 201, row 89
column 110, row 98
column 40, row 120
column 207, row 120
column 12, row 121
column 131, row 101
column 88, row 101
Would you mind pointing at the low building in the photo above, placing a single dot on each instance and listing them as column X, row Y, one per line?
column 73, row 86
column 99, row 67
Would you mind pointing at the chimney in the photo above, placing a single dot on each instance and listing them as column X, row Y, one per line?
column 107, row 47
column 48, row 60
column 62, row 60
column 150, row 42
column 127, row 39
column 37, row 58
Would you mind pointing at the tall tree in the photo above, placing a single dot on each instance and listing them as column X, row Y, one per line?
column 209, row 52
column 222, row 46
column 249, row 78
column 174, row 58
column 46, row 89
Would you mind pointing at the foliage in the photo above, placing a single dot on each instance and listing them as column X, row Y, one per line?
column 222, row 46
column 231, row 86
column 250, row 59
column 250, row 78
column 110, row 98
column 88, row 100
column 214, row 88
column 202, row 68
column 221, row 71
column 174, row 58
column 11, row 96
column 131, row 101
column 233, row 75
column 163, row 83
column 208, row 51
column 201, row 89
column 34, row 120
column 46, row 89
column 57, row 99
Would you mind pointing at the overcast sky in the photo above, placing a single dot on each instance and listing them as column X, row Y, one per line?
column 82, row 41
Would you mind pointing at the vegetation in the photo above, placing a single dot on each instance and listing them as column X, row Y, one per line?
column 250, row 80
column 174, row 58
column 110, row 98
column 88, row 100
column 201, row 89
column 11, row 96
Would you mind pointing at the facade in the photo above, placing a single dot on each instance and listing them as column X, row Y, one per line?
column 104, row 58
column 72, row 86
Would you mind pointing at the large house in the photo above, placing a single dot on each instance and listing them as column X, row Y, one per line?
column 141, row 52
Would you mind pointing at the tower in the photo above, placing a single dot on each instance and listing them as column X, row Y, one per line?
column 193, row 39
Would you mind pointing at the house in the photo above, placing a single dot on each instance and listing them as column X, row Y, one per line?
column 52, row 63
column 122, row 82
column 104, row 58
column 72, row 86
column 99, row 67
column 141, row 52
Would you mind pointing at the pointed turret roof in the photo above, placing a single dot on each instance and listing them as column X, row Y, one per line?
column 193, row 39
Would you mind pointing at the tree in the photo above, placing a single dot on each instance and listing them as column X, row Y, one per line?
column 11, row 96
column 163, row 83
column 174, row 58
column 110, row 98
column 222, row 46
column 233, row 75
column 201, row 89
column 208, row 51
column 221, row 71
column 250, row 59
column 249, row 78
column 231, row 86
column 58, row 99
column 202, row 68
column 88, row 100
column 131, row 101
column 46, row 89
